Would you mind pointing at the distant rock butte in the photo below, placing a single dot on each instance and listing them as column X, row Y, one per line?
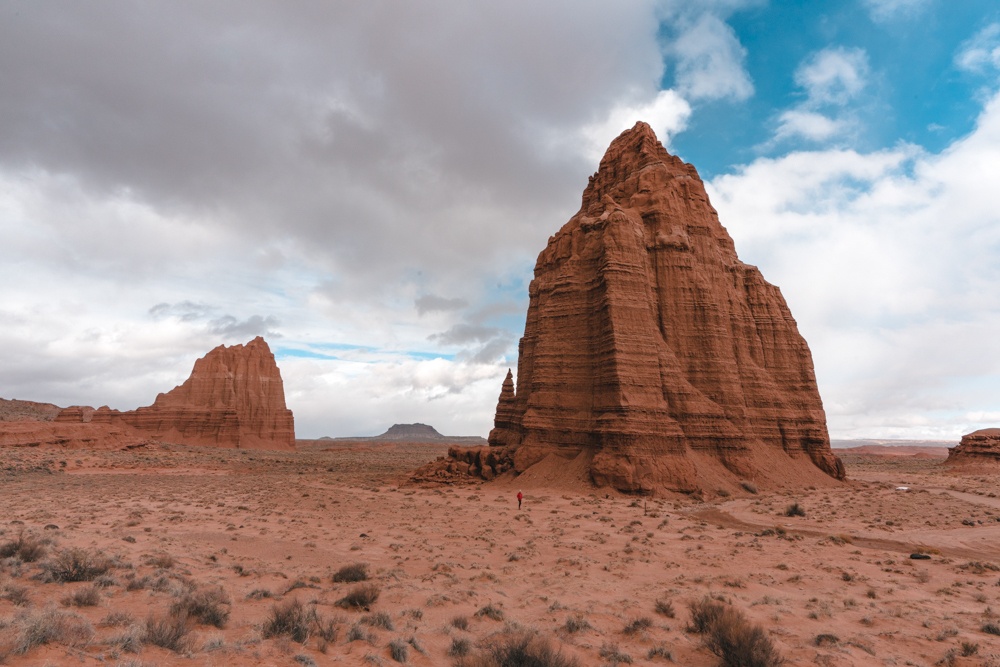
column 14, row 410
column 977, row 447
column 233, row 398
column 652, row 352
column 410, row 432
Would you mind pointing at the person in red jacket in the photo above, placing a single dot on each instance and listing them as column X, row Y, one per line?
column 520, row 497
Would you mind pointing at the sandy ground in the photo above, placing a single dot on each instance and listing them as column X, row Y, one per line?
column 607, row 578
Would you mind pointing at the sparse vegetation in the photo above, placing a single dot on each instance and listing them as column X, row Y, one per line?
column 637, row 625
column 89, row 596
column 351, row 573
column 519, row 649
column 50, row 626
column 399, row 650
column 795, row 509
column 379, row 619
column 360, row 597
column 729, row 635
column 460, row 622
column 491, row 611
column 208, row 606
column 576, row 624
column 75, row 564
column 26, row 546
column 169, row 632
column 664, row 608
column 614, row 655
column 460, row 646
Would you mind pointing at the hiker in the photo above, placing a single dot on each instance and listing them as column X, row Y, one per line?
column 520, row 497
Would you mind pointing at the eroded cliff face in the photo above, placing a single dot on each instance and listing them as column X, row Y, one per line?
column 233, row 398
column 978, row 447
column 652, row 348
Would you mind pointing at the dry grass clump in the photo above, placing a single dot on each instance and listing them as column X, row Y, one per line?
column 50, row 626
column 664, row 608
column 520, row 649
column 360, row 597
column 460, row 647
column 131, row 639
column 729, row 635
column 613, row 655
column 351, row 574
column 491, row 611
column 379, row 619
column 293, row 620
column 795, row 509
column 169, row 632
column 26, row 546
column 399, row 650
column 208, row 606
column 83, row 597
column 460, row 622
column 576, row 624
column 76, row 564
column 637, row 625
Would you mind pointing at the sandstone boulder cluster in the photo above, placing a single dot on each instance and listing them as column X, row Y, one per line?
column 233, row 398
column 652, row 352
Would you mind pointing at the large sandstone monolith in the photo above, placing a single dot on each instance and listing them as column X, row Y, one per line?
column 233, row 398
column 982, row 446
column 650, row 348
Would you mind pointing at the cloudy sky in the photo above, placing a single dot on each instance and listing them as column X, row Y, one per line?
column 367, row 185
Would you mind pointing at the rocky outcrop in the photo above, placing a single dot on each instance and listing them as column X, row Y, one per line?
column 982, row 446
column 14, row 410
column 411, row 432
column 651, row 345
column 233, row 398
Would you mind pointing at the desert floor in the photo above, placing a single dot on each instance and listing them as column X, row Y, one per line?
column 605, row 578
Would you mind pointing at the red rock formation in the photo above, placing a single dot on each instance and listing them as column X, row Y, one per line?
column 234, row 398
column 75, row 414
column 980, row 446
column 650, row 346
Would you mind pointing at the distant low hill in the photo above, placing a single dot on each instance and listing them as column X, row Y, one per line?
column 920, row 448
column 415, row 433
column 13, row 410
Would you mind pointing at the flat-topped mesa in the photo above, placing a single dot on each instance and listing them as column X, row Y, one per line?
column 233, row 398
column 982, row 446
column 652, row 349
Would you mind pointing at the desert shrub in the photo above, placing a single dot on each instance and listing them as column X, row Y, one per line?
column 360, row 597
column 117, row 618
column 169, row 632
column 664, row 608
column 637, row 625
column 259, row 594
column 289, row 619
column 351, row 573
column 991, row 628
column 161, row 561
column 614, row 655
column 460, row 622
column 304, row 660
column 749, row 487
column 83, row 597
column 460, row 646
column 379, row 619
column 50, row 626
column 76, row 564
column 969, row 648
column 26, row 546
column 130, row 640
column 357, row 632
column 17, row 595
column 523, row 650
column 795, row 509
column 660, row 652
column 576, row 624
column 704, row 613
column 826, row 640
column 208, row 606
column 491, row 611
column 729, row 635
column 399, row 650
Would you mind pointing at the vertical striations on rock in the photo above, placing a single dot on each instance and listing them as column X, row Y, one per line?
column 650, row 347
column 233, row 398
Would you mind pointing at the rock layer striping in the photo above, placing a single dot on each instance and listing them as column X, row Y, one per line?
column 649, row 345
